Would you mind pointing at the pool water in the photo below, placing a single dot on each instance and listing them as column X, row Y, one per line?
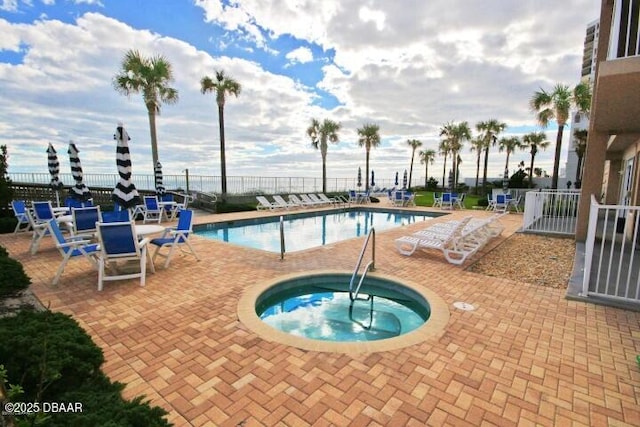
column 304, row 231
column 329, row 316
column 320, row 308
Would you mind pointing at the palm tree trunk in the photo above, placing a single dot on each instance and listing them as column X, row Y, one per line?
column 454, row 160
column 154, row 137
column 411, row 168
column 223, row 159
column 531, row 172
column 324, row 172
column 478, row 169
column 484, row 176
column 444, row 171
column 556, row 160
column 426, row 173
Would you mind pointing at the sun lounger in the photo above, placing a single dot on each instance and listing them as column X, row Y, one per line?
column 310, row 202
column 456, row 246
column 264, row 203
column 280, row 201
column 297, row 201
column 317, row 200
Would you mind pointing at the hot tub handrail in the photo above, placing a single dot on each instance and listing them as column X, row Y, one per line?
column 370, row 266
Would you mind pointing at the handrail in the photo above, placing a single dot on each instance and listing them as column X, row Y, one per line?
column 353, row 295
column 281, row 238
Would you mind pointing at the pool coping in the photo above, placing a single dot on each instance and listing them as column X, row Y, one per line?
column 432, row 329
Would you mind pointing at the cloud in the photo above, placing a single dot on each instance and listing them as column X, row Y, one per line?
column 409, row 69
column 300, row 55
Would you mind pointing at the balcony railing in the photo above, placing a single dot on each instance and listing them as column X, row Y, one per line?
column 612, row 259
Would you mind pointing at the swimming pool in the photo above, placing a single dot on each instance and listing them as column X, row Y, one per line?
column 310, row 229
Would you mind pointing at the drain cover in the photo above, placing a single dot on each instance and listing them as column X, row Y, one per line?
column 463, row 306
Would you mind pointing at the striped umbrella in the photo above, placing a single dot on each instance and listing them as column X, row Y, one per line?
column 54, row 170
column 158, row 173
column 505, row 181
column 125, row 193
column 396, row 181
column 404, row 179
column 359, row 177
column 79, row 191
column 373, row 182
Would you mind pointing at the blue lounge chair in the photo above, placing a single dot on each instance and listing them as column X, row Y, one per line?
column 152, row 211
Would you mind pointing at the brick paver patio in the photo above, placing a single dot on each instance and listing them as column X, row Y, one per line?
column 525, row 356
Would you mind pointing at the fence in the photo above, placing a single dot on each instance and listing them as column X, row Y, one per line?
column 612, row 263
column 209, row 184
column 551, row 211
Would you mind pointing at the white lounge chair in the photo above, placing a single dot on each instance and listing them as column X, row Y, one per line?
column 310, row 202
column 293, row 199
column 327, row 199
column 456, row 247
column 317, row 200
column 280, row 201
column 264, row 203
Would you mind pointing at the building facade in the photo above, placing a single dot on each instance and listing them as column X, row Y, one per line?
column 613, row 147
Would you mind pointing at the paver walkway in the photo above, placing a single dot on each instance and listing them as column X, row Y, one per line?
column 525, row 356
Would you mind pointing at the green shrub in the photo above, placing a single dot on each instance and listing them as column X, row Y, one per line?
column 12, row 277
column 7, row 224
column 3, row 252
column 483, row 202
column 226, row 207
column 54, row 360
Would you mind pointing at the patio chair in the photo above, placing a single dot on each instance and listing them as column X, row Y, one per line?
column 515, row 203
column 116, row 216
column 42, row 213
column 152, row 210
column 501, row 204
column 177, row 237
column 398, row 198
column 264, row 203
column 169, row 206
column 20, row 211
column 74, row 246
column 119, row 243
column 84, row 221
column 447, row 201
column 437, row 200
column 491, row 206
column 409, row 199
column 459, row 201
column 353, row 196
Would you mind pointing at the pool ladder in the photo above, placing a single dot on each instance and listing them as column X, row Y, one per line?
column 353, row 294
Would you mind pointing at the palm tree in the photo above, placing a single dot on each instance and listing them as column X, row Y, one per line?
column 455, row 134
column 150, row 77
column 222, row 85
column 509, row 144
column 477, row 145
column 489, row 132
column 556, row 105
column 534, row 141
column 444, row 149
column 320, row 133
column 426, row 157
column 580, row 145
column 414, row 144
column 369, row 137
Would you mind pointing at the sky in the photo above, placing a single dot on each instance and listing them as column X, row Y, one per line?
column 409, row 66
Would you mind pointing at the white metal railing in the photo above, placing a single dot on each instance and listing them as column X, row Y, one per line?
column 625, row 37
column 207, row 183
column 371, row 265
column 551, row 211
column 612, row 263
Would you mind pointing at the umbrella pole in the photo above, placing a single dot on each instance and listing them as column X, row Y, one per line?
column 58, row 198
